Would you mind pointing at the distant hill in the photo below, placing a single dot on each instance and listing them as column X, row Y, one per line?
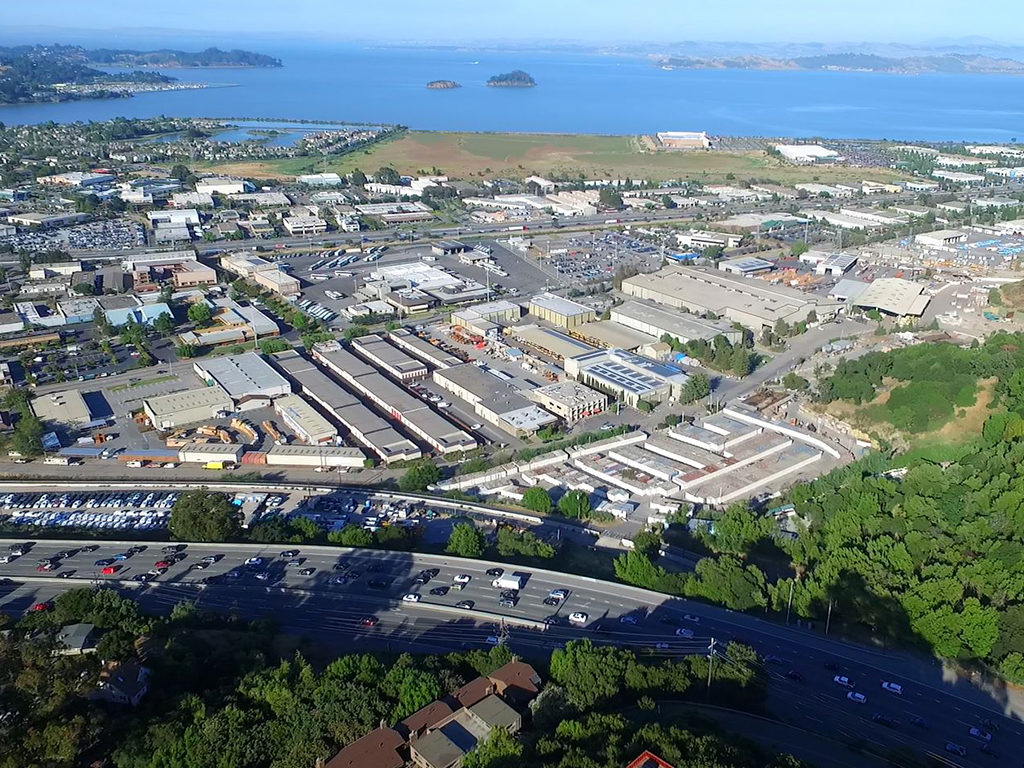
column 211, row 57
column 514, row 79
column 854, row 62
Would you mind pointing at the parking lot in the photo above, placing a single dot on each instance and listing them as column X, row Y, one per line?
column 122, row 510
column 97, row 235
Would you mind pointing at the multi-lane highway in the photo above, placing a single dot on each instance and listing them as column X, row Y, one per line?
column 368, row 610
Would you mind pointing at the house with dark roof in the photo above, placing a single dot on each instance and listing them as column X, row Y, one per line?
column 380, row 748
column 76, row 639
column 123, row 683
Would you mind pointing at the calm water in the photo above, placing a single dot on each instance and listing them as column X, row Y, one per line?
column 578, row 93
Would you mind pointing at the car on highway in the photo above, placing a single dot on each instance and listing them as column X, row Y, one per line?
column 157, row 572
column 578, row 617
column 42, row 606
column 493, row 640
column 307, row 571
column 369, row 621
column 551, row 601
column 843, row 680
column 439, row 591
column 691, row 617
column 90, row 548
column 881, row 719
column 466, row 605
column 422, row 577
column 795, row 676
column 558, row 594
column 200, row 566
column 8, row 559
column 919, row 722
column 956, row 749
column 378, row 583
column 110, row 570
column 508, row 602
column 210, row 559
column 629, row 618
column 294, row 563
column 254, row 562
column 143, row 577
column 66, row 574
column 411, row 597
column 103, row 562
column 290, row 553
column 683, row 632
column 856, row 697
column 340, row 579
column 46, row 567
column 163, row 564
column 495, row 572
column 463, row 579
column 979, row 734
column 893, row 688
column 263, row 575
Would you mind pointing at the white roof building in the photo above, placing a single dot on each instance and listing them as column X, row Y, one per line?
column 806, row 154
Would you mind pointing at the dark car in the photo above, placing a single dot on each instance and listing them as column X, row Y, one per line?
column 288, row 554
column 794, row 675
column 103, row 563
column 422, row 577
column 66, row 574
column 173, row 548
column 369, row 621
column 307, row 571
column 91, row 548
column 495, row 572
column 339, row 566
column 919, row 722
column 378, row 584
column 551, row 601
column 439, row 591
column 881, row 719
column 465, row 605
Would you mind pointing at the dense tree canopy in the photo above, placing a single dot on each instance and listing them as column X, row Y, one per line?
column 204, row 516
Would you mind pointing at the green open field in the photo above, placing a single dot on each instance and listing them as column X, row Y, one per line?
column 516, row 155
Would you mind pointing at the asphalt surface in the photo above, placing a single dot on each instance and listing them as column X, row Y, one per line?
column 314, row 606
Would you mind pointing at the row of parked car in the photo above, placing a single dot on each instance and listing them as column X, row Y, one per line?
column 89, row 500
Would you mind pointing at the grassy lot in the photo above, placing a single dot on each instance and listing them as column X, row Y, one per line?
column 516, row 155
column 143, row 383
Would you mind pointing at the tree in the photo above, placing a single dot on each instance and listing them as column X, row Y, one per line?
column 697, row 387
column 164, row 324
column 187, row 351
column 647, row 542
column 668, row 202
column 575, row 504
column 589, row 674
column 386, row 175
column 526, row 543
column 466, row 541
column 799, row 248
column 27, row 437
column 200, row 313
column 180, row 172
column 270, row 346
column 84, row 289
column 794, row 382
column 351, row 536
column 358, row 178
column 204, row 516
column 498, row 750
column 419, row 477
column 100, row 322
column 538, row 500
column 609, row 197
column 742, row 362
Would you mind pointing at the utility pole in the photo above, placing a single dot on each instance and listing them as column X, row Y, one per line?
column 711, row 661
column 790, row 602
column 828, row 619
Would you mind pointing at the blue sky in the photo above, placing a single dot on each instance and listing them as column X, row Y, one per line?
column 524, row 20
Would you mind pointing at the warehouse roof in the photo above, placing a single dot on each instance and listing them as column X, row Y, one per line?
column 65, row 407
column 894, row 296
column 326, row 451
column 841, row 261
column 242, row 375
column 677, row 324
column 609, row 334
column 848, row 290
column 175, row 403
column 568, row 392
column 375, row 347
column 304, row 416
column 632, row 373
column 565, row 307
column 552, row 342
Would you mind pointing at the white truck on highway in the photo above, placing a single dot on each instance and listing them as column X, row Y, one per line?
column 510, row 581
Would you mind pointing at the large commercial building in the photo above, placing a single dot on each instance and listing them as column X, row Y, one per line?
column 191, row 274
column 751, row 303
column 327, row 456
column 627, row 376
column 405, row 339
column 304, row 420
column 390, row 359
column 561, row 312
column 189, row 407
column 413, row 413
column 364, row 426
column 65, row 407
column 245, row 266
column 549, row 342
column 221, row 186
column 494, row 399
column 278, row 281
column 491, row 316
column 569, row 400
column 248, row 379
column 894, row 296
column 657, row 322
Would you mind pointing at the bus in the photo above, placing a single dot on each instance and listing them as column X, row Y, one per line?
column 319, row 276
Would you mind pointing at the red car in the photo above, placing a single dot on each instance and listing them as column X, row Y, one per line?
column 162, row 564
column 369, row 621
column 110, row 570
column 45, row 606
column 44, row 567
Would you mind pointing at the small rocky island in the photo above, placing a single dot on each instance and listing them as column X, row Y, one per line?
column 442, row 85
column 515, row 79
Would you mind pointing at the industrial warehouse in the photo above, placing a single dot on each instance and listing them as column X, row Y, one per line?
column 494, row 398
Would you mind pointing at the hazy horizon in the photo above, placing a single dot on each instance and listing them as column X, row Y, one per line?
column 598, row 22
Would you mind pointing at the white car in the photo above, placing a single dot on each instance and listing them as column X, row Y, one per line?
column 463, row 578
column 858, row 698
column 980, row 735
column 842, row 680
column 412, row 597
column 254, row 561
column 687, row 633
column 559, row 594
column 661, row 646
column 578, row 618
column 493, row 640
column 691, row 617
column 893, row 688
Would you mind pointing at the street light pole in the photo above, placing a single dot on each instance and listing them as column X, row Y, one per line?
column 711, row 661
column 828, row 619
column 790, row 602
